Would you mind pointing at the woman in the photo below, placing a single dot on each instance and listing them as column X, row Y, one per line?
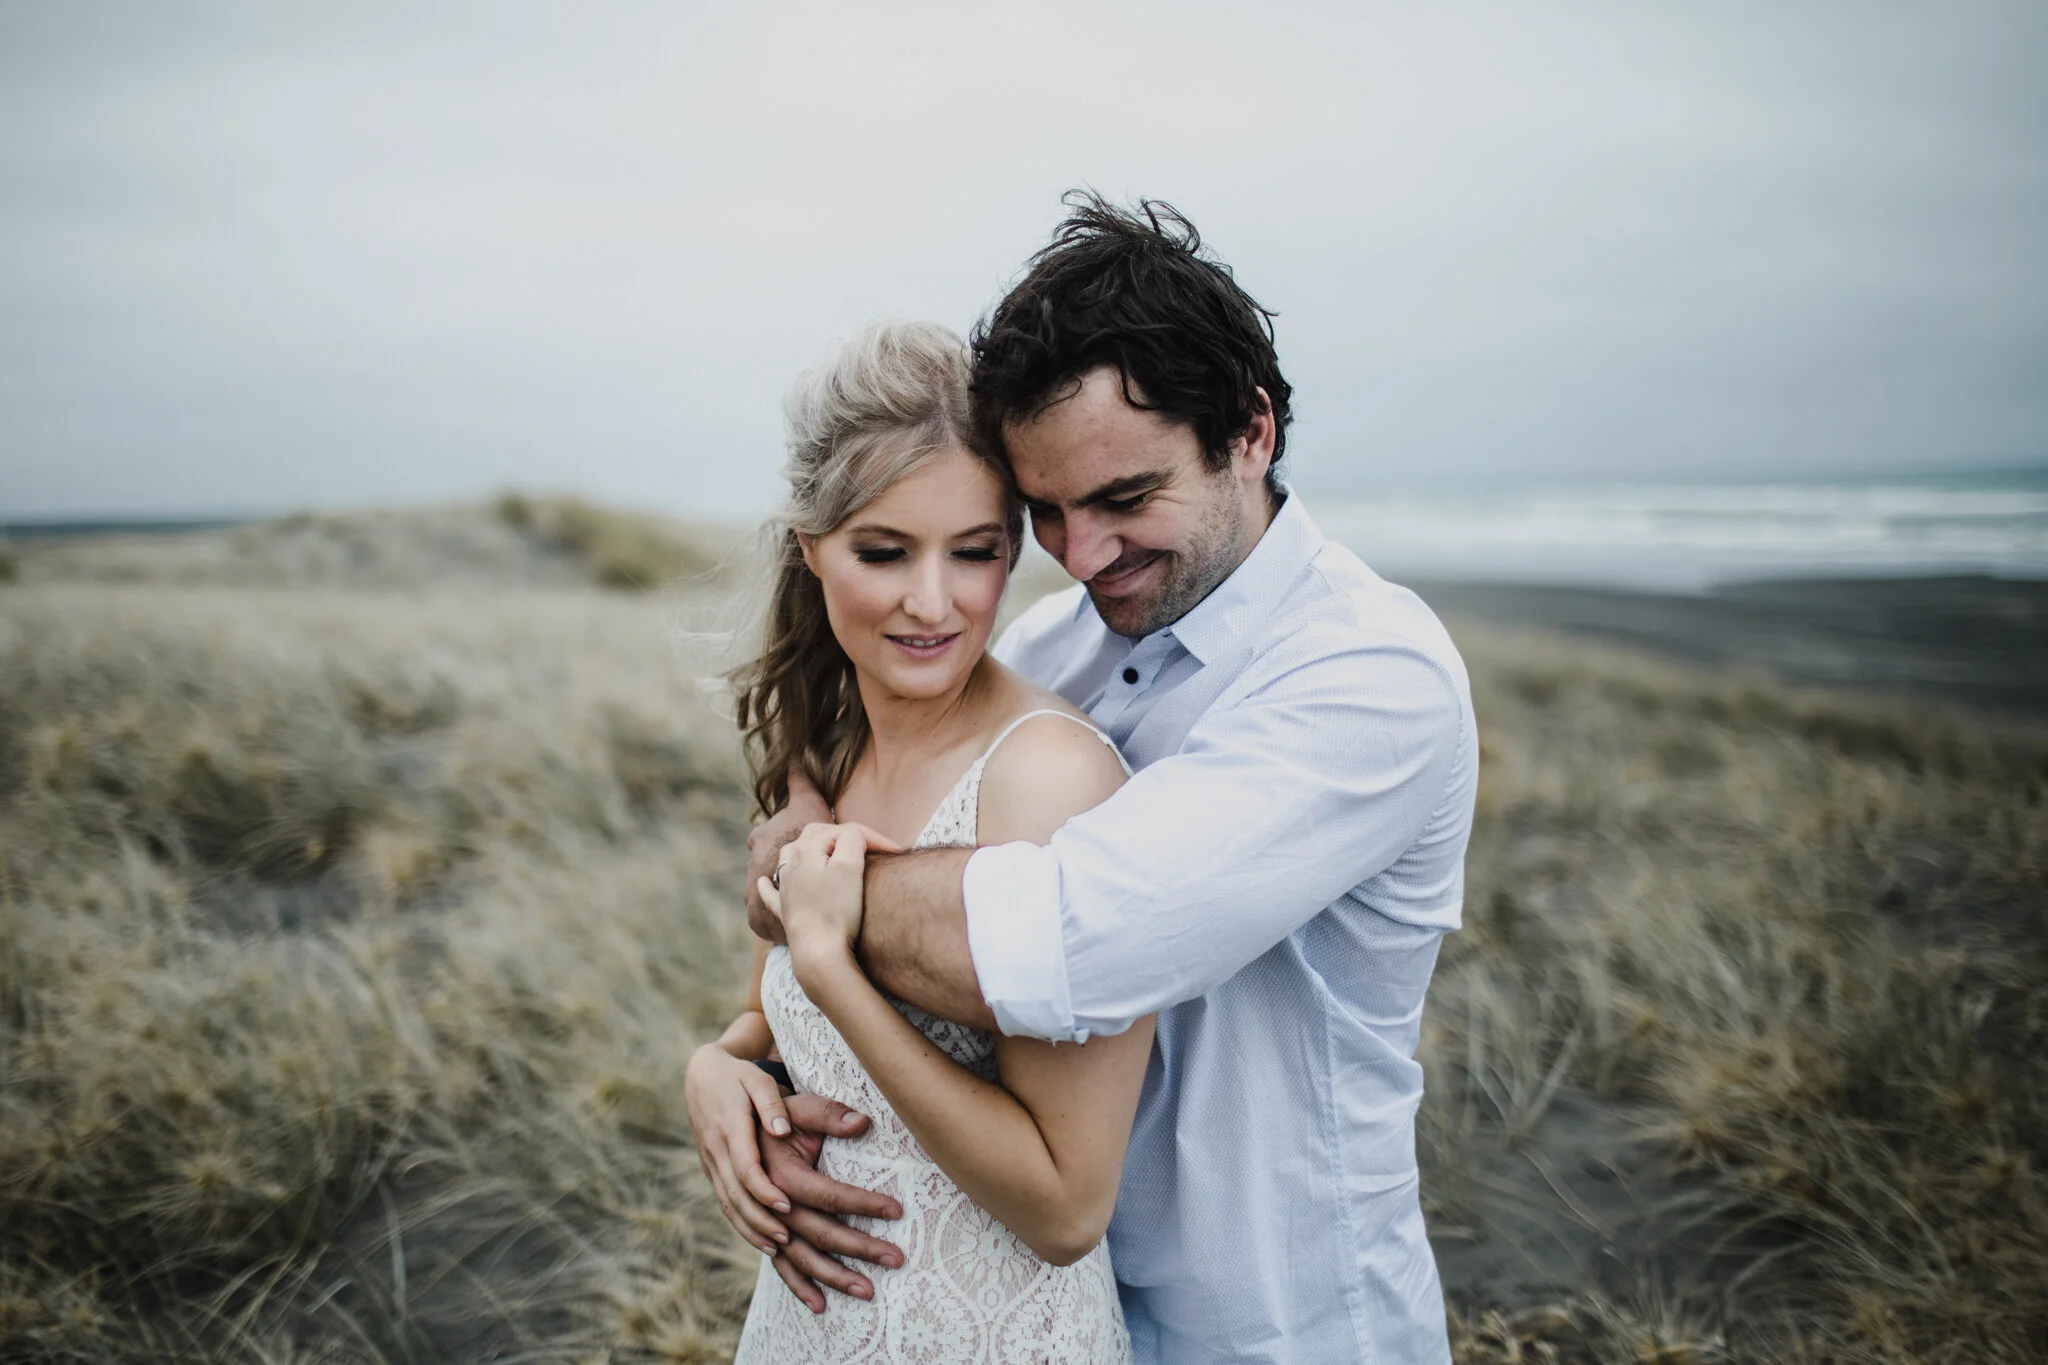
column 874, row 681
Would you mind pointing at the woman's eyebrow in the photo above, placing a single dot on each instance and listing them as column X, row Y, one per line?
column 868, row 528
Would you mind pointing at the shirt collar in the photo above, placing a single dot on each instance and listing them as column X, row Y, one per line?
column 1285, row 549
column 1229, row 612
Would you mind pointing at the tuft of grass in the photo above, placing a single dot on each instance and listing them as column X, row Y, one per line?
column 619, row 549
column 121, row 740
column 517, row 542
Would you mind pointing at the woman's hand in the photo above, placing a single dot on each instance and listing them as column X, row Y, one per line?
column 726, row 1096
column 766, row 842
column 820, row 897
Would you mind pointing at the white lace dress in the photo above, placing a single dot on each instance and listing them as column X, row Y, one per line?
column 968, row 1290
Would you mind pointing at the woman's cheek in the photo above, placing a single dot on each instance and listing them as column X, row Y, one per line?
column 982, row 593
column 855, row 606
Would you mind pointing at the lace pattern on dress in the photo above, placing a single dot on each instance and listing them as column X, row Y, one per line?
column 968, row 1290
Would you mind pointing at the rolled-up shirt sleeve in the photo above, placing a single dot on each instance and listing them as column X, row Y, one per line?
column 1311, row 777
column 1012, row 893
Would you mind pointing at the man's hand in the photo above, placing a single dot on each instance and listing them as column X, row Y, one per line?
column 764, row 847
column 735, row 1110
column 817, row 1237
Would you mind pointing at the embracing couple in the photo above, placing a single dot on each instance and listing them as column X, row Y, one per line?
column 1120, row 926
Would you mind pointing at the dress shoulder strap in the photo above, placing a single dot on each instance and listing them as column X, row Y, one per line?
column 1050, row 711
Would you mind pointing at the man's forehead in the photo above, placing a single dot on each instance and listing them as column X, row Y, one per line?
column 1082, row 481
column 1097, row 396
column 1085, row 454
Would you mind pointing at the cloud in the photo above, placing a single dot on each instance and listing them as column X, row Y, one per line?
column 253, row 258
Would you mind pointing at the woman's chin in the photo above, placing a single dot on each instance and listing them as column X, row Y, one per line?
column 923, row 679
column 923, row 686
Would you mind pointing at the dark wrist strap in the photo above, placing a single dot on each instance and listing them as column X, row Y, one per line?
column 778, row 1071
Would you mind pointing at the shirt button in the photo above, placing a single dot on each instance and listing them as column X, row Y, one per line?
column 1130, row 675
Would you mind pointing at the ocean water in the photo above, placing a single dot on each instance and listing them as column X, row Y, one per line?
column 1690, row 537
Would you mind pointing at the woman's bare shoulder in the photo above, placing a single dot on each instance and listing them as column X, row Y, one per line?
column 1048, row 769
column 1025, row 695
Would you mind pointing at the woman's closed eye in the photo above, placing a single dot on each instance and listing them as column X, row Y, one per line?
column 893, row 554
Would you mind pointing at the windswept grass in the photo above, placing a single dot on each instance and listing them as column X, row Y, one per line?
column 518, row 541
column 620, row 549
column 351, row 951
column 353, row 940
column 1802, row 941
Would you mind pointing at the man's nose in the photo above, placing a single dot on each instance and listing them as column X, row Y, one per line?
column 1091, row 547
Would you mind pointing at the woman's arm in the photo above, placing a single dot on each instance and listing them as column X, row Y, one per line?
column 748, row 1037
column 1043, row 1150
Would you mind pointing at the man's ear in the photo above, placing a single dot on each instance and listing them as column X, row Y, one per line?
column 809, row 546
column 1254, row 453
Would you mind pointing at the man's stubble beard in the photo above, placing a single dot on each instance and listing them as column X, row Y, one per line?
column 1190, row 576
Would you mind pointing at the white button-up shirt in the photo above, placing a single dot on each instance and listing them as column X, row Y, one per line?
column 1274, row 882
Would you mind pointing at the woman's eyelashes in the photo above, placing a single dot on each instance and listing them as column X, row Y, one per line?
column 894, row 554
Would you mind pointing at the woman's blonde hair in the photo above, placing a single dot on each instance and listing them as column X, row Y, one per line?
column 893, row 398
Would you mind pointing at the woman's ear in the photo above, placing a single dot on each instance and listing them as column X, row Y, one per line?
column 809, row 546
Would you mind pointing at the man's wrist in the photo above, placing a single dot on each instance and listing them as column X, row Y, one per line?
column 913, row 941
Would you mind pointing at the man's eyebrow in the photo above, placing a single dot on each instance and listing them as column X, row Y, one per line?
column 1130, row 486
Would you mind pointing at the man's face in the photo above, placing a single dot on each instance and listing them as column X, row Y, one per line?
column 1122, row 498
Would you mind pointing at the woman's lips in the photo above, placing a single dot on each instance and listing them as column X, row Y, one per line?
column 924, row 646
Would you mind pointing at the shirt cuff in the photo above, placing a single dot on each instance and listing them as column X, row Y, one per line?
column 1012, row 895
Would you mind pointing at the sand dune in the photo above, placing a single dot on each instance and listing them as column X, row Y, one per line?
column 366, row 882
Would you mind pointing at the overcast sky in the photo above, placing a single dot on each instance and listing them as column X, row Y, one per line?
column 265, row 257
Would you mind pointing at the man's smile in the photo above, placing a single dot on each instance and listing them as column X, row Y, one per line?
column 1126, row 575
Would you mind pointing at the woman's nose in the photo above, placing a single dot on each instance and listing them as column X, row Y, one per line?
column 927, row 599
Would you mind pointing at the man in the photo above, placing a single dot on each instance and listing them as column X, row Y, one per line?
column 1274, row 881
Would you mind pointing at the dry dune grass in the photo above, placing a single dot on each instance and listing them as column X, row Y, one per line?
column 353, row 940
column 1801, row 942
column 519, row 540
column 353, row 948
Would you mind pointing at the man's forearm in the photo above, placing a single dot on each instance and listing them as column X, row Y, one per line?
column 913, row 938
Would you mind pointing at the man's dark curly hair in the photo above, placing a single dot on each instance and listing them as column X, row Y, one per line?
column 1131, row 288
